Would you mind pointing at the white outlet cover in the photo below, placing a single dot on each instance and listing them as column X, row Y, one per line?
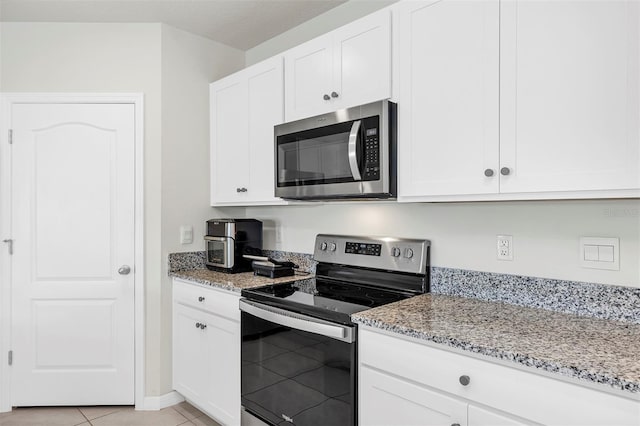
column 504, row 247
column 186, row 234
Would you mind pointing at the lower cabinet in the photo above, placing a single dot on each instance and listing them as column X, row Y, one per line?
column 206, row 350
column 405, row 382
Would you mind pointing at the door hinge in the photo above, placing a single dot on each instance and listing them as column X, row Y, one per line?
column 9, row 241
column 10, row 137
column 10, row 357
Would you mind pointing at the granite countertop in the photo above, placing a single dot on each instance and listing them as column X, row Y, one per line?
column 234, row 282
column 590, row 349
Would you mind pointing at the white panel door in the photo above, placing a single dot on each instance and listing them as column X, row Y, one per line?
column 230, row 145
column 569, row 95
column 73, row 226
column 308, row 71
column 385, row 400
column 362, row 61
column 265, row 110
column 448, row 111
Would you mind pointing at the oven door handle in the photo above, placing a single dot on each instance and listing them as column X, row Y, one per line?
column 353, row 152
column 298, row 321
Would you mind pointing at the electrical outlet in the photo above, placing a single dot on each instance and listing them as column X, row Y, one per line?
column 278, row 235
column 186, row 234
column 504, row 247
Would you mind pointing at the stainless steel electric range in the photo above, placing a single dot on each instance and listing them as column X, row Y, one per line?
column 299, row 345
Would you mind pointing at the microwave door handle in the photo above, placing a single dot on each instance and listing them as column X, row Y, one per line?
column 353, row 154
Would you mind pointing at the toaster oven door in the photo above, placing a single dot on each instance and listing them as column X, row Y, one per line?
column 220, row 251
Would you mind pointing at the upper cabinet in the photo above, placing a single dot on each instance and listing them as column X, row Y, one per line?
column 518, row 100
column 569, row 96
column 346, row 67
column 448, row 107
column 244, row 108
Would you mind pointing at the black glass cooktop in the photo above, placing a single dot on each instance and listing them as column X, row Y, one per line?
column 326, row 299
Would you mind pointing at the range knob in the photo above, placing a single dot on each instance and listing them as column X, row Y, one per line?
column 323, row 246
column 332, row 247
column 408, row 253
column 395, row 252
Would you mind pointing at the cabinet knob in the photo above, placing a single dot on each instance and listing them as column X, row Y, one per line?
column 198, row 325
column 326, row 97
column 464, row 380
column 488, row 172
column 505, row 171
column 200, row 299
column 455, row 424
column 241, row 189
column 203, row 326
column 334, row 94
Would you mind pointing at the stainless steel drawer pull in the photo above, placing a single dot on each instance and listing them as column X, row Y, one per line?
column 326, row 97
column 465, row 380
column 334, row 94
column 488, row 172
column 200, row 299
column 505, row 171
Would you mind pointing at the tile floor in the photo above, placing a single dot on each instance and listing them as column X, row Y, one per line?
column 182, row 414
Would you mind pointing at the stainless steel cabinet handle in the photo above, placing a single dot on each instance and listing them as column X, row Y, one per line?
column 488, row 172
column 124, row 270
column 200, row 299
column 334, row 94
column 326, row 97
column 465, row 380
column 505, row 171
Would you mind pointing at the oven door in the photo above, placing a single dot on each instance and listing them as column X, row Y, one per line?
column 338, row 155
column 220, row 251
column 297, row 369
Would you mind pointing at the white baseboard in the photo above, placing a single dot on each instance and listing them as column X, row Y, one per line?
column 155, row 403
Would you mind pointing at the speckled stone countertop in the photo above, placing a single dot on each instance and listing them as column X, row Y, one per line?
column 233, row 282
column 590, row 349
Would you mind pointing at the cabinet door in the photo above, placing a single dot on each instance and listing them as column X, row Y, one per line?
column 229, row 140
column 265, row 89
column 483, row 417
column 362, row 61
column 389, row 400
column 189, row 353
column 569, row 95
column 222, row 396
column 308, row 71
column 448, row 107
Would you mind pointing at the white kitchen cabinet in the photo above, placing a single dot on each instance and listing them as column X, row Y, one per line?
column 518, row 100
column 569, row 95
column 245, row 107
column 404, row 381
column 346, row 67
column 448, row 107
column 206, row 349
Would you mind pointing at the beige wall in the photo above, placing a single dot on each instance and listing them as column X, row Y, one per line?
column 189, row 64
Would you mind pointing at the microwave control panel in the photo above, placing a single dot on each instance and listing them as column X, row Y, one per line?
column 371, row 149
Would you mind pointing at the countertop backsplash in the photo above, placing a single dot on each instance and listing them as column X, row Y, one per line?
column 586, row 299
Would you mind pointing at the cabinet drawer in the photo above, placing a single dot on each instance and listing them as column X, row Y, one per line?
column 524, row 394
column 219, row 302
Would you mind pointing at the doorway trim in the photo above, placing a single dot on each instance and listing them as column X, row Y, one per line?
column 7, row 100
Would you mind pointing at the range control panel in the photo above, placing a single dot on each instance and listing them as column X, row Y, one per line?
column 387, row 253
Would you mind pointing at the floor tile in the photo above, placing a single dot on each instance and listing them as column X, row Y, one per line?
column 188, row 410
column 204, row 421
column 101, row 410
column 43, row 416
column 130, row 417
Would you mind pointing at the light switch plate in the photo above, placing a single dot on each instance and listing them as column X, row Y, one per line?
column 600, row 253
column 186, row 234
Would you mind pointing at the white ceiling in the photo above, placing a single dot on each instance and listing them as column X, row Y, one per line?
column 242, row 24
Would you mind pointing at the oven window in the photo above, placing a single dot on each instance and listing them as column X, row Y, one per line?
column 317, row 156
column 295, row 377
column 215, row 252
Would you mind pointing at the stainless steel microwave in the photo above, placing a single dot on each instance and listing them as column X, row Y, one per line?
column 347, row 154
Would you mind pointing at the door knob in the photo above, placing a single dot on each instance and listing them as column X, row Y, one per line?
column 124, row 270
